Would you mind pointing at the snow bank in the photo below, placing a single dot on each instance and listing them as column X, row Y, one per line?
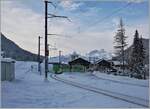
column 121, row 78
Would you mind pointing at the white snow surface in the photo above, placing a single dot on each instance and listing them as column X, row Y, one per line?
column 124, row 79
column 30, row 90
column 126, row 89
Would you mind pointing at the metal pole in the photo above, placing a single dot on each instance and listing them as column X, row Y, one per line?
column 39, row 60
column 46, row 33
column 59, row 59
column 46, row 47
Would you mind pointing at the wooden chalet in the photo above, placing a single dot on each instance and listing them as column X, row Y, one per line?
column 103, row 65
column 79, row 63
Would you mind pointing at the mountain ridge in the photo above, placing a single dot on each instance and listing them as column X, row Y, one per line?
column 12, row 50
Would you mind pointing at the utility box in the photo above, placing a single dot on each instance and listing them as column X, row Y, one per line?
column 7, row 69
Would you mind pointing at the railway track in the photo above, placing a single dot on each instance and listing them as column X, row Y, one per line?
column 120, row 82
column 130, row 99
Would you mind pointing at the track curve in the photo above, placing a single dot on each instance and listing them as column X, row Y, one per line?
column 130, row 99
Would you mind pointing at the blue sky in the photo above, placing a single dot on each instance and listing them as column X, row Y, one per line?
column 104, row 7
column 91, row 24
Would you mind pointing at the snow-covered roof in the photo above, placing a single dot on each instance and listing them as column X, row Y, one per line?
column 83, row 57
column 118, row 63
column 7, row 60
column 99, row 60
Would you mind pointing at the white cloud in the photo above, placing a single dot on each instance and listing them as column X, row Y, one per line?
column 136, row 1
column 66, row 3
column 132, row 1
column 70, row 4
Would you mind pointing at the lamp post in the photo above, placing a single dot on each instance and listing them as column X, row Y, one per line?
column 39, row 57
column 60, row 59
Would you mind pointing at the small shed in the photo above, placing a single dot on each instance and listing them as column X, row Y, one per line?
column 7, row 69
column 119, row 64
column 103, row 64
column 79, row 63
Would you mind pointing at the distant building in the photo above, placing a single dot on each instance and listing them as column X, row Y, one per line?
column 79, row 64
column 103, row 65
column 7, row 69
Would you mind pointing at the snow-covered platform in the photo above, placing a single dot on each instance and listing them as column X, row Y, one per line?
column 30, row 90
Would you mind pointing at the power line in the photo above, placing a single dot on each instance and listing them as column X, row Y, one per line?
column 108, row 16
column 54, row 16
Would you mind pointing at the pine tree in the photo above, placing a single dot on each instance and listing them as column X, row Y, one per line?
column 137, row 55
column 120, row 42
column 141, row 52
column 141, row 57
column 135, row 51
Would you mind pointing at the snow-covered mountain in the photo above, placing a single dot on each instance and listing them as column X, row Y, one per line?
column 92, row 56
column 99, row 54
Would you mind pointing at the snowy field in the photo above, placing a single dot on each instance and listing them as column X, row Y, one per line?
column 30, row 90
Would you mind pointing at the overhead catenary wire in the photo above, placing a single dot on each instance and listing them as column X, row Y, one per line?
column 98, row 21
column 103, row 19
column 107, row 17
